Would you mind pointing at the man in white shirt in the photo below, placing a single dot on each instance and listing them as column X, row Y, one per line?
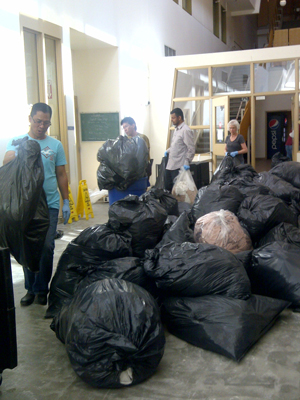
column 182, row 149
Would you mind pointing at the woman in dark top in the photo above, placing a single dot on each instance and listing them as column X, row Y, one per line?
column 235, row 143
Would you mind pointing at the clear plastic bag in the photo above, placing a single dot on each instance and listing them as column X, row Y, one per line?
column 184, row 188
column 222, row 228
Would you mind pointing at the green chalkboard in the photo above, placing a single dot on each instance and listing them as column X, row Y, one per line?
column 99, row 126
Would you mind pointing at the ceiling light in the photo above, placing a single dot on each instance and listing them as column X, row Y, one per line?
column 282, row 3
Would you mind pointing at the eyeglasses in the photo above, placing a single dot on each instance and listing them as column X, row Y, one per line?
column 40, row 122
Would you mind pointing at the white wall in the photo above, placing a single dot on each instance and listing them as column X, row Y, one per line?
column 139, row 28
column 13, row 104
column 262, row 107
column 96, row 85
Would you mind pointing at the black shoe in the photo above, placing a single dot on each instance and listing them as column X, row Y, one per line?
column 59, row 234
column 41, row 299
column 27, row 299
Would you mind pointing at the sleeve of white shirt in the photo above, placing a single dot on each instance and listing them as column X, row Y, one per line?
column 189, row 141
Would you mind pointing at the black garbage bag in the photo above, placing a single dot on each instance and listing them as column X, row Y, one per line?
column 200, row 193
column 160, row 180
column 288, row 171
column 107, row 178
column 259, row 214
column 130, row 269
column 24, row 218
column 280, row 188
column 190, row 269
column 126, row 157
column 183, row 206
column 234, row 171
column 105, row 241
column 279, row 158
column 275, row 272
column 226, row 169
column 245, row 257
column 165, row 198
column 168, row 223
column 216, row 198
column 8, row 333
column 220, row 324
column 34, row 237
column 87, row 253
column 113, row 334
column 246, row 171
column 144, row 220
column 282, row 232
column 250, row 187
column 181, row 231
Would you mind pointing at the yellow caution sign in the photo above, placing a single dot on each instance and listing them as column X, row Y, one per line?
column 73, row 214
column 83, row 201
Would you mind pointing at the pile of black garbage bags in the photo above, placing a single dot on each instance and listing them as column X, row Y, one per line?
column 116, row 284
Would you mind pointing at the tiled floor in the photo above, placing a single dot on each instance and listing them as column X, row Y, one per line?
column 271, row 369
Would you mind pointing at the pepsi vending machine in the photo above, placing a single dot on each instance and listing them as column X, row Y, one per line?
column 275, row 134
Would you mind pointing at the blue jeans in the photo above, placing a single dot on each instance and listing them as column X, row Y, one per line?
column 37, row 283
column 289, row 151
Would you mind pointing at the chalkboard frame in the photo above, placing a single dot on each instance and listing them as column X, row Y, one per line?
column 98, row 127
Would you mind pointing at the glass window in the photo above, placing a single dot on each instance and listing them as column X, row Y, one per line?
column 216, row 18
column 220, row 124
column 31, row 64
column 169, row 52
column 202, row 140
column 237, row 106
column 187, row 6
column 223, row 24
column 233, row 79
column 195, row 112
column 274, row 77
column 192, row 83
column 50, row 45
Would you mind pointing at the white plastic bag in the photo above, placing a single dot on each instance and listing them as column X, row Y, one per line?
column 184, row 188
column 97, row 194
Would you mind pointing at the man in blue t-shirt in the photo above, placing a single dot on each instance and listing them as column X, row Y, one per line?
column 54, row 161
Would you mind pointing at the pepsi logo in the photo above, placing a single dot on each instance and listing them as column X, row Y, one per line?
column 273, row 124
